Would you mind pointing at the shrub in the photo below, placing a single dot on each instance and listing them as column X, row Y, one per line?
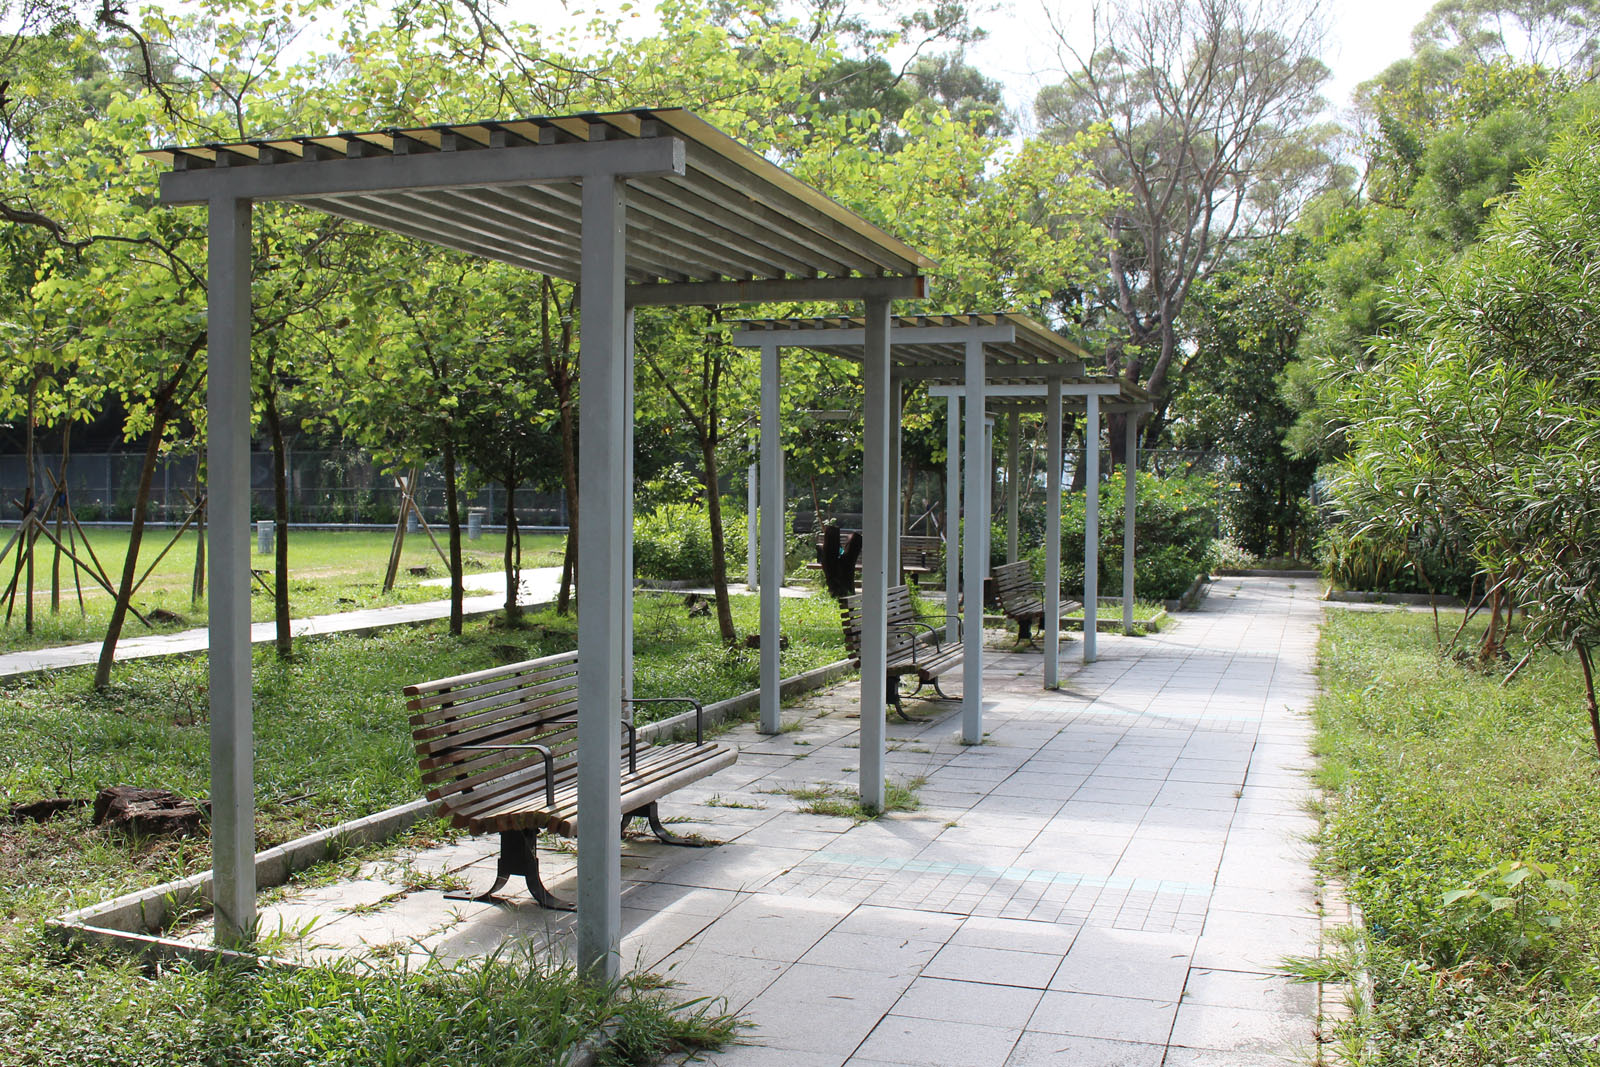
column 1173, row 530
column 673, row 542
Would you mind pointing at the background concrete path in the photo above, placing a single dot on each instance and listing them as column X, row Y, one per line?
column 538, row 586
column 1109, row 880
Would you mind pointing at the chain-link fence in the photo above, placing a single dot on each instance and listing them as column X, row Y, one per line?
column 325, row 487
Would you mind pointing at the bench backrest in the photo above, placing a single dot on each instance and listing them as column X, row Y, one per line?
column 1013, row 582
column 919, row 550
column 457, row 724
column 901, row 619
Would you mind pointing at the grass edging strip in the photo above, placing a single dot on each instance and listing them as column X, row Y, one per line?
column 140, row 916
column 733, row 707
column 135, row 920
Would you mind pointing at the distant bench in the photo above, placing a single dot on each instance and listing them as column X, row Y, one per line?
column 498, row 751
column 919, row 553
column 913, row 649
column 1022, row 598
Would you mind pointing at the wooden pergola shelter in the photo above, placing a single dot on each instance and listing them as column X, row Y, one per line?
column 646, row 207
column 977, row 356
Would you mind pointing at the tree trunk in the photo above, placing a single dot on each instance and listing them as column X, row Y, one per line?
column 457, row 592
column 1588, row 693
column 569, row 480
column 569, row 563
column 197, row 587
column 513, row 556
column 283, row 641
column 130, row 563
column 719, row 551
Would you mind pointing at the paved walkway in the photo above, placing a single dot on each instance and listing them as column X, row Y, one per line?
column 1110, row 879
column 539, row 585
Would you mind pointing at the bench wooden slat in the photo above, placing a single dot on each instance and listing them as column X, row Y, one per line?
column 552, row 662
column 1021, row 598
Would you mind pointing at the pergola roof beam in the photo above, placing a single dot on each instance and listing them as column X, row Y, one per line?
column 643, row 157
column 675, row 243
column 774, row 290
column 369, row 216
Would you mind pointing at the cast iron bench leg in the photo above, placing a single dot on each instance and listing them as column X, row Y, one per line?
column 667, row 837
column 518, row 856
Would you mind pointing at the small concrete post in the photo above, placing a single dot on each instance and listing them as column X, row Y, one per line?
column 265, row 528
column 1052, row 537
column 1091, row 526
column 233, row 796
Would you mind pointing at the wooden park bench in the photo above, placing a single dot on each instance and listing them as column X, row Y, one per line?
column 499, row 754
column 919, row 554
column 914, row 647
column 1022, row 598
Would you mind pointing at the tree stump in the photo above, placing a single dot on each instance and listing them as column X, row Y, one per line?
column 147, row 812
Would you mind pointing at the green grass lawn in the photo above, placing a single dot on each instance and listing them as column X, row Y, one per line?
column 332, row 743
column 1442, row 787
column 331, row 571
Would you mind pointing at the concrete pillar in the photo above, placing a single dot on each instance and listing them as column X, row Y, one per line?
column 952, row 511
column 1052, row 537
column 1091, row 525
column 233, row 793
column 875, row 519
column 1013, row 490
column 1130, row 508
column 752, row 534
column 896, row 475
column 627, row 533
column 604, row 409
column 772, row 539
column 975, row 547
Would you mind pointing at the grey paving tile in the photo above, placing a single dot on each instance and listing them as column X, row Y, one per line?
column 975, row 1002
column 1114, row 1018
column 1242, row 1030
column 1032, row 970
column 939, row 1043
column 1060, row 1050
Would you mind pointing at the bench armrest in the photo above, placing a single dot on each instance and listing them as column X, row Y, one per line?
column 549, row 763
column 947, row 620
column 699, row 711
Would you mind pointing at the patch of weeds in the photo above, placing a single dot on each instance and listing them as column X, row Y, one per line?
column 719, row 801
column 791, row 726
column 834, row 800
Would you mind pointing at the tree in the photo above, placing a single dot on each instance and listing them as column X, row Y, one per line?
column 414, row 358
column 1248, row 323
column 701, row 374
column 1480, row 409
column 1209, row 106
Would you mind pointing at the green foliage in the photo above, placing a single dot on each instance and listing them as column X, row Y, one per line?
column 1173, row 529
column 672, row 542
column 1437, row 774
column 1511, row 910
column 1250, row 319
column 512, row 1009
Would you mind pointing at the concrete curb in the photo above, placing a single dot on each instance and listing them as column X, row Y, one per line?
column 1191, row 596
column 135, row 921
column 722, row 710
column 1357, row 596
column 140, row 916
